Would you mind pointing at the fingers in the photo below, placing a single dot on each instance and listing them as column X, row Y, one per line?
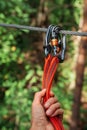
column 50, row 101
column 52, row 109
column 38, row 96
column 58, row 112
column 51, row 94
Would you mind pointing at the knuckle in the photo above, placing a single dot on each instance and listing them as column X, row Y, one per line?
column 53, row 107
column 52, row 92
column 55, row 98
column 62, row 111
column 36, row 94
column 59, row 105
column 50, row 100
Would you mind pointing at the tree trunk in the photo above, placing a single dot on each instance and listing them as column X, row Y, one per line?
column 80, row 67
column 41, row 19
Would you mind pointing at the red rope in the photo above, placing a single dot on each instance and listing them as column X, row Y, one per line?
column 50, row 67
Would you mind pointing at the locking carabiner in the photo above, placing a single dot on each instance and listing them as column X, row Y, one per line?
column 55, row 43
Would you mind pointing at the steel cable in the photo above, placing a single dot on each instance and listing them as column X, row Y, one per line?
column 39, row 29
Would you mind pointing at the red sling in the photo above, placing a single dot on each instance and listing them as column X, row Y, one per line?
column 50, row 67
column 54, row 51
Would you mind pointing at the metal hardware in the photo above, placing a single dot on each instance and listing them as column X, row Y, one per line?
column 55, row 43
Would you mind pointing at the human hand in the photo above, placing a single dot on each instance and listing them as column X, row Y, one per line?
column 40, row 111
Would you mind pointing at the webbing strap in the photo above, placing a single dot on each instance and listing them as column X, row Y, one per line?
column 50, row 67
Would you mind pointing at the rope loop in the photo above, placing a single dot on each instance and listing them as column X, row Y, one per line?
column 50, row 66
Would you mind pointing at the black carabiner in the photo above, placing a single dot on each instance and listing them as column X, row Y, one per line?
column 55, row 43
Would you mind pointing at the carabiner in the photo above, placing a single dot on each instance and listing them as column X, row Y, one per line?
column 55, row 43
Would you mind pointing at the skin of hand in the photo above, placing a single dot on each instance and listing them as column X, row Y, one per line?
column 41, row 111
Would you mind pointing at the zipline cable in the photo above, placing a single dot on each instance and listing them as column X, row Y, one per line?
column 39, row 29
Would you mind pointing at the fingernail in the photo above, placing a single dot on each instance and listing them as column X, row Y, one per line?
column 48, row 112
column 46, row 105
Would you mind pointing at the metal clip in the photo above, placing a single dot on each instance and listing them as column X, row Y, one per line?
column 55, row 43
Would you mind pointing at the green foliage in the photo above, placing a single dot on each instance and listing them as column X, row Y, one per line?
column 20, row 77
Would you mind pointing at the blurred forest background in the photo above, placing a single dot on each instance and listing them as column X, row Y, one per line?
column 22, row 61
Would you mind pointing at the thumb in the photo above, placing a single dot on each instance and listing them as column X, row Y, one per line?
column 38, row 96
